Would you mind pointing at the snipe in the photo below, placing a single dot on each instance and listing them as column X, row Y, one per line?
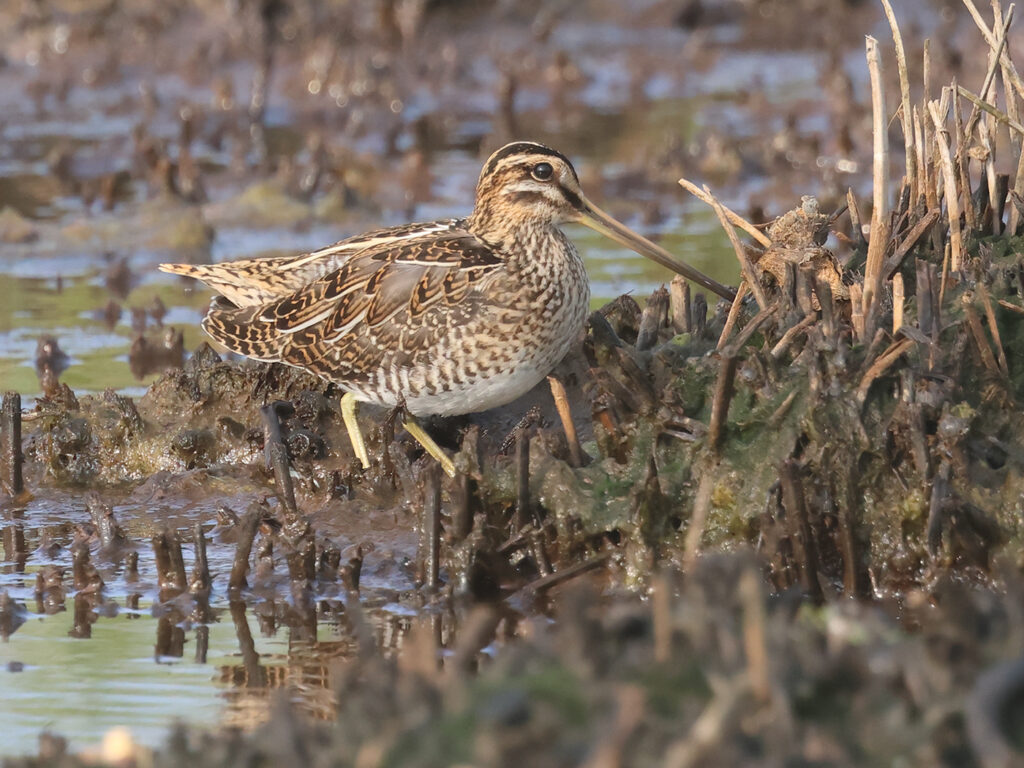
column 443, row 318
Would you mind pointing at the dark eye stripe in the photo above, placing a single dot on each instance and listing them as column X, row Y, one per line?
column 549, row 195
column 573, row 198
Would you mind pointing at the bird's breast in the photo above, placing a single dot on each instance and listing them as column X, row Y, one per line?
column 527, row 325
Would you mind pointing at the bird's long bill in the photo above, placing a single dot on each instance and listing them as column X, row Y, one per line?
column 599, row 221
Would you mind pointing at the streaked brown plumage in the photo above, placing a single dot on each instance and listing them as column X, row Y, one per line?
column 447, row 317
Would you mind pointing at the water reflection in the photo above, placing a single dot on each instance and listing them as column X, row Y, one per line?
column 12, row 616
column 14, row 543
column 126, row 607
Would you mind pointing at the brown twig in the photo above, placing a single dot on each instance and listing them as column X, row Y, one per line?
column 1011, row 97
column 724, row 391
column 565, row 416
column 741, row 255
column 565, row 574
column 751, row 328
column 462, row 514
column 993, row 327
column 733, row 316
column 787, row 338
column 974, row 323
column 701, row 508
column 805, row 550
column 170, row 564
column 711, row 727
column 857, row 310
column 856, row 578
column 917, row 232
column 922, row 157
column 704, row 195
column 856, row 222
column 998, row 45
column 880, row 366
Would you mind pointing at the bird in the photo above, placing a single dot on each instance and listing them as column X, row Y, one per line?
column 440, row 318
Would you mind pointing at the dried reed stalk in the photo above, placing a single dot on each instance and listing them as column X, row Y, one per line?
column 949, row 177
column 906, row 116
column 679, row 301
column 963, row 165
column 897, row 302
column 755, row 645
column 880, row 213
column 1000, row 116
column 986, row 126
column 1016, row 132
column 931, row 187
column 998, row 45
column 945, row 277
column 856, row 222
column 990, row 38
column 857, row 310
column 922, row 161
column 1011, row 97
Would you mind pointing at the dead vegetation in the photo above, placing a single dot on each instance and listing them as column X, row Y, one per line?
column 854, row 422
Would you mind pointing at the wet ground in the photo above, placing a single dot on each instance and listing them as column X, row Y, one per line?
column 135, row 134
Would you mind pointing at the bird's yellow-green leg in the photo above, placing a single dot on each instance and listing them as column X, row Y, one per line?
column 430, row 446
column 348, row 413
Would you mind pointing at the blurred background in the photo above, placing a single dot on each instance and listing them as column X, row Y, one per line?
column 205, row 130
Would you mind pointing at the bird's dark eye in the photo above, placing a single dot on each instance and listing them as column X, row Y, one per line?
column 542, row 171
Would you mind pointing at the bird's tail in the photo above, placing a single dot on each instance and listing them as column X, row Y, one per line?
column 245, row 282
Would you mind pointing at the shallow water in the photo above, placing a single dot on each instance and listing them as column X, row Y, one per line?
column 136, row 662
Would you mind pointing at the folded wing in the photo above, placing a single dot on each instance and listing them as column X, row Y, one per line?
column 386, row 305
column 253, row 282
